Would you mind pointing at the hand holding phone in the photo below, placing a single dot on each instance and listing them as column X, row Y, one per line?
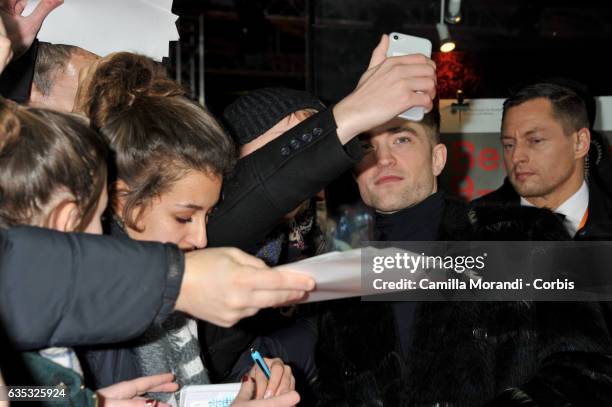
column 389, row 86
column 402, row 44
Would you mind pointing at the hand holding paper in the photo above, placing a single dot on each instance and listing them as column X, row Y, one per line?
column 103, row 27
column 246, row 397
column 234, row 395
column 338, row 274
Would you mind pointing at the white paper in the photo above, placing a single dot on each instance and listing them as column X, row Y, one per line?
column 165, row 5
column 338, row 274
column 209, row 395
column 103, row 27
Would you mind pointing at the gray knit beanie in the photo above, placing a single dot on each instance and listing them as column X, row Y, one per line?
column 251, row 115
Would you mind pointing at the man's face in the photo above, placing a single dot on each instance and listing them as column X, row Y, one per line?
column 63, row 92
column 544, row 164
column 400, row 166
column 180, row 214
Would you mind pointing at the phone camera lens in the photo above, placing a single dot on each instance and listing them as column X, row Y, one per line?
column 395, row 37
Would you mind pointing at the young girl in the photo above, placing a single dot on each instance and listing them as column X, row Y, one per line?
column 53, row 175
column 52, row 170
column 170, row 157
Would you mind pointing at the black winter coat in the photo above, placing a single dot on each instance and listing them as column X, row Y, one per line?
column 470, row 353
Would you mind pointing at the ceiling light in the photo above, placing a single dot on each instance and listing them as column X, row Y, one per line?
column 453, row 12
column 446, row 43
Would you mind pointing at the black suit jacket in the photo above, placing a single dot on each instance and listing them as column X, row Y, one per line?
column 599, row 222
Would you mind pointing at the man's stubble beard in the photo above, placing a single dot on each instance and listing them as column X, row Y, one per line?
column 537, row 189
column 404, row 198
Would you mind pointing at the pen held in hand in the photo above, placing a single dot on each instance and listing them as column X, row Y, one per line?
column 260, row 362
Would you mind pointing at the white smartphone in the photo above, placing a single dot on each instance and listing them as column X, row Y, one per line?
column 400, row 45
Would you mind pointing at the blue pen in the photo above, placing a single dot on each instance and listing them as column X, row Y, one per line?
column 261, row 363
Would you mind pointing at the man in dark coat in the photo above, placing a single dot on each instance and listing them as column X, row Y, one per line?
column 273, row 180
column 454, row 353
column 546, row 141
column 254, row 120
column 555, row 161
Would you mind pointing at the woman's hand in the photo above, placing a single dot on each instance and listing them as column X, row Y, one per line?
column 281, row 379
column 248, row 392
column 127, row 394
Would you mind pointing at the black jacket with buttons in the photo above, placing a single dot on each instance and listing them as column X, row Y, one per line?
column 266, row 185
column 275, row 179
column 469, row 353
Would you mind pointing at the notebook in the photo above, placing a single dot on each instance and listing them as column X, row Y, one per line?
column 209, row 395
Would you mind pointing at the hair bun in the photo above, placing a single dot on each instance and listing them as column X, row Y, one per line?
column 124, row 78
column 10, row 125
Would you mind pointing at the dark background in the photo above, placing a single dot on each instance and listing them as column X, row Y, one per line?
column 324, row 45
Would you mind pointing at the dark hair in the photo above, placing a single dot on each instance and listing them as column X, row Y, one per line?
column 49, row 60
column 43, row 152
column 567, row 106
column 155, row 133
column 431, row 121
column 582, row 91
